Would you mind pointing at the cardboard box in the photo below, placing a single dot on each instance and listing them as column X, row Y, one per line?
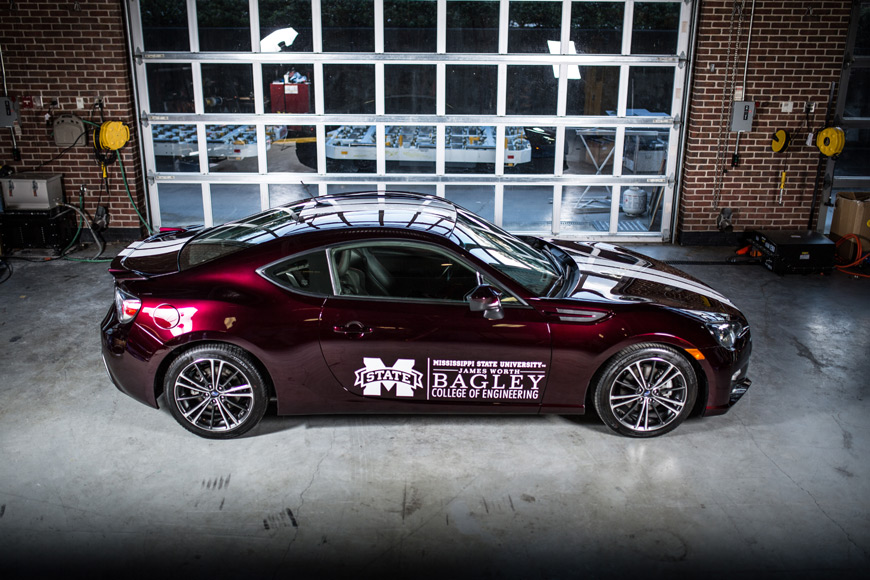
column 851, row 216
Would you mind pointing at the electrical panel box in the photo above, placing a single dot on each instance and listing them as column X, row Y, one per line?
column 32, row 191
column 8, row 112
column 742, row 113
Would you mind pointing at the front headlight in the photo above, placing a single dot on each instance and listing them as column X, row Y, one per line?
column 726, row 333
column 724, row 329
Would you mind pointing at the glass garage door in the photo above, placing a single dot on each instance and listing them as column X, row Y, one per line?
column 545, row 116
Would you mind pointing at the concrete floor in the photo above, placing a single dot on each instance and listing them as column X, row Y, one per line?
column 94, row 484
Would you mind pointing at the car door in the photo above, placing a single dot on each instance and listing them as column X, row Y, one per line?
column 399, row 332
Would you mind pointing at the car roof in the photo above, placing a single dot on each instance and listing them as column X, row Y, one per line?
column 364, row 210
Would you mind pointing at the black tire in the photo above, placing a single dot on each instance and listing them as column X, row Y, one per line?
column 224, row 409
column 646, row 390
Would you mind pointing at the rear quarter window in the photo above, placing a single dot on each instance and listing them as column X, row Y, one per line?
column 306, row 273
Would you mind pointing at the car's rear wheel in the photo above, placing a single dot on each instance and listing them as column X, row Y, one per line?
column 646, row 390
column 216, row 391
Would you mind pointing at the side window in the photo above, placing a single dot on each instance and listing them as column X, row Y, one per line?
column 399, row 270
column 307, row 273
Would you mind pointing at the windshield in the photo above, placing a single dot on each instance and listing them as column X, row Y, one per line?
column 532, row 269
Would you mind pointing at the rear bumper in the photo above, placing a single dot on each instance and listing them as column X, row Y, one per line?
column 130, row 367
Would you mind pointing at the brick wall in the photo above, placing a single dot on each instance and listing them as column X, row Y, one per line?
column 795, row 53
column 51, row 52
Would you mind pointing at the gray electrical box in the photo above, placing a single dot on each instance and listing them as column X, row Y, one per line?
column 32, row 191
column 742, row 113
column 8, row 112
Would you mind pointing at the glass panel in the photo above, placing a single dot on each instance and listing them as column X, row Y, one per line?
column 531, row 90
column 288, row 88
column 530, row 150
column 596, row 92
column 862, row 39
column 175, row 148
column 282, row 193
column 640, row 208
column 409, row 89
column 528, row 208
column 349, row 88
column 533, row 25
column 334, row 188
column 410, row 149
column 180, row 204
column 164, row 25
column 589, row 150
column 853, row 160
column 233, row 201
column 646, row 151
column 650, row 90
column 285, row 26
column 291, row 149
column 472, row 26
column 410, row 25
column 656, row 28
column 232, row 148
column 596, row 27
column 471, row 89
column 858, row 94
column 351, row 149
column 224, row 25
column 425, row 189
column 470, row 150
column 170, row 87
column 228, row 88
column 348, row 25
column 479, row 199
column 585, row 208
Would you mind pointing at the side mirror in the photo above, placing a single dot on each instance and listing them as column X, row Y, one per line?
column 486, row 299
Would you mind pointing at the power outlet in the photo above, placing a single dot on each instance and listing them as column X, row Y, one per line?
column 80, row 103
column 788, row 107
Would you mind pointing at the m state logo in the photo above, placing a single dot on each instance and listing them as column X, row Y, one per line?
column 376, row 377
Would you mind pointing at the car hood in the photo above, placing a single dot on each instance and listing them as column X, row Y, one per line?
column 611, row 273
column 152, row 256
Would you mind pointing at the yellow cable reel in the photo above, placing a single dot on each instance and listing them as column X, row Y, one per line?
column 111, row 135
column 780, row 141
column 830, row 141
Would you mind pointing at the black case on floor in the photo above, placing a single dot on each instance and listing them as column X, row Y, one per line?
column 52, row 228
column 793, row 252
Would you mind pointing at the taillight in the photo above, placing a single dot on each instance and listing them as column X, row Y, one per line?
column 126, row 305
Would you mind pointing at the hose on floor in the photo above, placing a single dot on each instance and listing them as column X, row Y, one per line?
column 97, row 239
column 861, row 256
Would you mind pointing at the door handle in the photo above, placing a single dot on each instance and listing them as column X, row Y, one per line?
column 353, row 329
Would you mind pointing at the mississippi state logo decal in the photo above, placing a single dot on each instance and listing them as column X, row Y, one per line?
column 379, row 380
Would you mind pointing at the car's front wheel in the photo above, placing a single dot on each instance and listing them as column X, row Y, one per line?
column 216, row 391
column 646, row 390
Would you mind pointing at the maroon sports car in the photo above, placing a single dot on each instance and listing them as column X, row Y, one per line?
column 405, row 303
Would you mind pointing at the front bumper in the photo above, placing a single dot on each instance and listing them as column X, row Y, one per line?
column 728, row 380
column 738, row 390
